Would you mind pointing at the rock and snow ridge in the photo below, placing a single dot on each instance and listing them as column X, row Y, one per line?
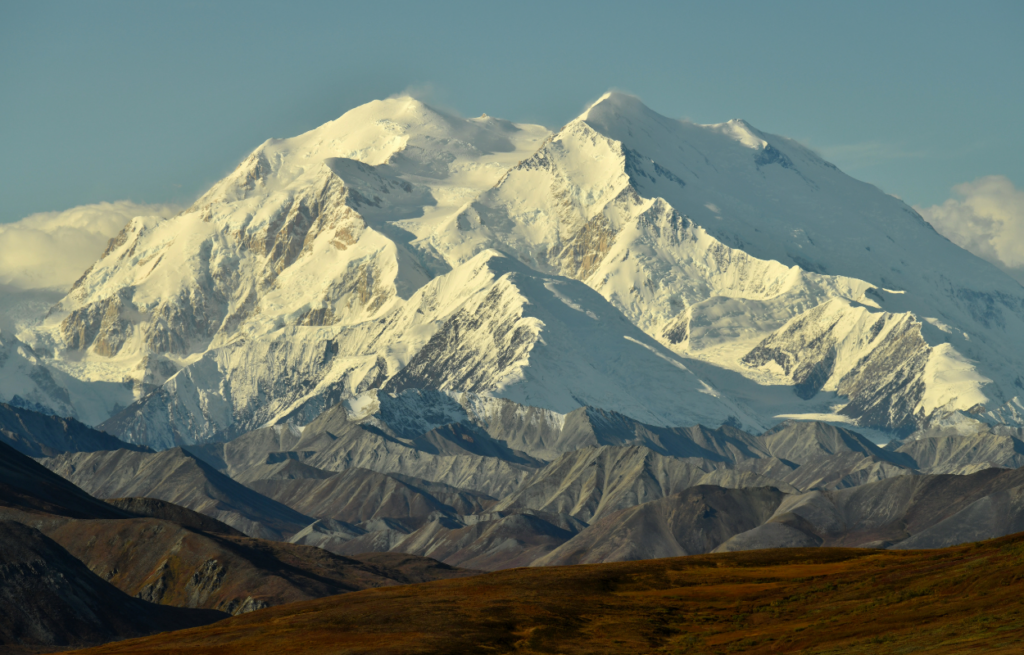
column 400, row 247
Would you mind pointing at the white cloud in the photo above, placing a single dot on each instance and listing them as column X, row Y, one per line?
column 52, row 249
column 988, row 222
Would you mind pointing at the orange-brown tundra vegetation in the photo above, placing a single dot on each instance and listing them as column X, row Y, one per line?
column 966, row 599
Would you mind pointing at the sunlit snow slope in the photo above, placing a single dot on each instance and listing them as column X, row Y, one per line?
column 738, row 277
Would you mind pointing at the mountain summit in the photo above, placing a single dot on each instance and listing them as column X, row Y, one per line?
column 673, row 272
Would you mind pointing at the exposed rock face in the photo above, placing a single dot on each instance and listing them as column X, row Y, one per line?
column 876, row 360
column 434, row 474
column 494, row 541
column 27, row 382
column 334, row 443
column 358, row 495
column 493, row 323
column 591, row 483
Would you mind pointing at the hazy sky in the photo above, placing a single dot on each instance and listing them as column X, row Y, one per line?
column 152, row 102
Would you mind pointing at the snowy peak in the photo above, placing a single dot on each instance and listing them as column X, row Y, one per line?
column 672, row 272
column 617, row 105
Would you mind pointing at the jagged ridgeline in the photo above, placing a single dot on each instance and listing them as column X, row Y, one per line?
column 671, row 272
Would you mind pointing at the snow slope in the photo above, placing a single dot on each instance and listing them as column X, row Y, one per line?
column 491, row 326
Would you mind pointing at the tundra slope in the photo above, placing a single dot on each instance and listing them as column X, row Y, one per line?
column 672, row 272
column 957, row 600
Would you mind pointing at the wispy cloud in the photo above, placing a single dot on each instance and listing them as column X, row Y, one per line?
column 429, row 94
column 52, row 249
column 988, row 221
column 424, row 92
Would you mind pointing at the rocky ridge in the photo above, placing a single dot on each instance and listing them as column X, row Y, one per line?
column 352, row 479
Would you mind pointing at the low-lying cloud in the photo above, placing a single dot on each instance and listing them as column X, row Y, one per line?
column 52, row 249
column 988, row 222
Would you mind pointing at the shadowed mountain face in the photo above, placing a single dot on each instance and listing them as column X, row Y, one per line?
column 923, row 511
column 50, row 598
column 952, row 450
column 165, row 563
column 610, row 463
column 592, row 482
column 336, row 441
column 357, row 495
column 402, row 435
column 41, row 435
column 491, row 541
column 159, row 509
column 27, row 486
column 802, row 442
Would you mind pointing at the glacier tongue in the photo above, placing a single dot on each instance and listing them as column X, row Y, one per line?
column 673, row 272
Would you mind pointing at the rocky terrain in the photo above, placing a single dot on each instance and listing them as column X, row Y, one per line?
column 591, row 486
column 969, row 447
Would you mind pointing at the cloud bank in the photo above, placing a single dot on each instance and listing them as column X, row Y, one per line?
column 52, row 249
column 988, row 222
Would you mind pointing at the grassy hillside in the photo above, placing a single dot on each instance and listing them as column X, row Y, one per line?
column 966, row 599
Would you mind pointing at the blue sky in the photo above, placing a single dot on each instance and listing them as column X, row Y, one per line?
column 154, row 102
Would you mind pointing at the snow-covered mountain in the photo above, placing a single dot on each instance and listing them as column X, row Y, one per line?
column 672, row 272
